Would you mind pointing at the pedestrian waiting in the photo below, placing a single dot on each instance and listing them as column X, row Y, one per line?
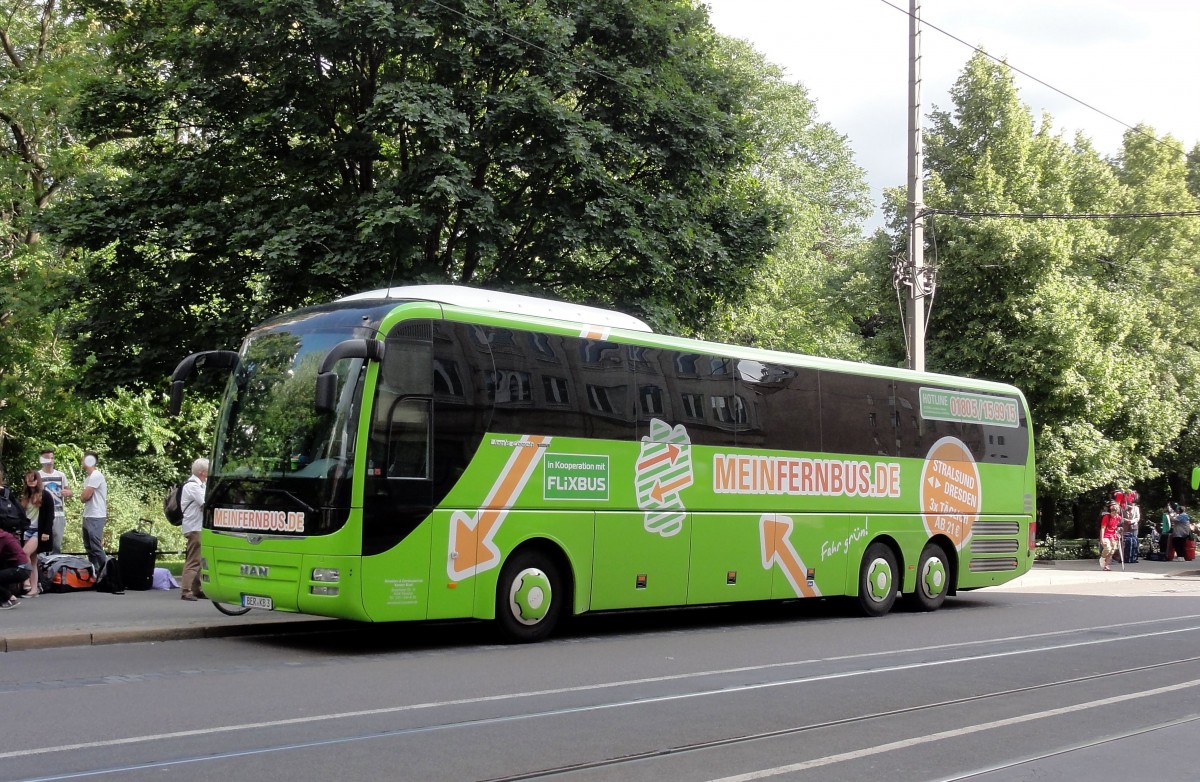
column 192, row 504
column 95, row 511
column 1183, row 543
column 1110, row 530
column 38, row 504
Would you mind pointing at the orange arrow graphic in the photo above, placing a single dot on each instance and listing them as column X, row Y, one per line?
column 471, row 548
column 660, row 489
column 775, row 532
column 671, row 454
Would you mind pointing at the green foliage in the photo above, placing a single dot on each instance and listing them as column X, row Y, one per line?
column 1193, row 171
column 172, row 172
column 1052, row 548
column 591, row 148
column 46, row 52
column 1062, row 309
column 132, row 497
column 804, row 296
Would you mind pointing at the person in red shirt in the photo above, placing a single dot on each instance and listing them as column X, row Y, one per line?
column 14, row 569
column 1110, row 535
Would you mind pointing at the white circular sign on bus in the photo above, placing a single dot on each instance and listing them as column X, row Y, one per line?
column 951, row 492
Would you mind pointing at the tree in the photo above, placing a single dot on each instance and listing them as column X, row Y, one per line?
column 1157, row 262
column 804, row 296
column 45, row 52
column 1044, row 304
column 293, row 150
column 1193, row 172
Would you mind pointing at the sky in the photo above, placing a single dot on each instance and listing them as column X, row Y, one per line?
column 1138, row 62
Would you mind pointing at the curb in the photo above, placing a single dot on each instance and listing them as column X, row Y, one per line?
column 57, row 639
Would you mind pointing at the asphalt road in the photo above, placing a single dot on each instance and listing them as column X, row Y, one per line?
column 1083, row 681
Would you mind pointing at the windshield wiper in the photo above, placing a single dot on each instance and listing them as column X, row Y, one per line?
column 290, row 496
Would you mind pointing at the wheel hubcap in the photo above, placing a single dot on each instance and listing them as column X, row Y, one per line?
column 933, row 578
column 879, row 580
column 530, row 596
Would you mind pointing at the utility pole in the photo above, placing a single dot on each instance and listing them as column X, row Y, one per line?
column 918, row 288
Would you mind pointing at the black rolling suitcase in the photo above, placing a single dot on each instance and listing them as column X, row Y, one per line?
column 136, row 553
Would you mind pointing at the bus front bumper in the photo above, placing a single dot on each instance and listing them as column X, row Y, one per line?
column 297, row 583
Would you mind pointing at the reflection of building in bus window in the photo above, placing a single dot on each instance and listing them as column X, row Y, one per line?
column 543, row 347
column 730, row 409
column 511, row 386
column 685, row 364
column 596, row 352
column 556, row 390
column 641, row 361
column 446, row 379
column 604, row 400
column 651, row 398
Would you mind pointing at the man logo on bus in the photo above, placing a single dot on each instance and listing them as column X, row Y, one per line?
column 951, row 492
column 664, row 469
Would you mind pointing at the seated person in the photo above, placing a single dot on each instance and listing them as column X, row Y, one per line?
column 15, row 570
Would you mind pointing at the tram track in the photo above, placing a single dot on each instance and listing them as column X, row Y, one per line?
column 1063, row 751
column 699, row 746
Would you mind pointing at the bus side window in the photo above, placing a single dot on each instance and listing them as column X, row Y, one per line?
column 857, row 415
column 400, row 423
column 408, row 439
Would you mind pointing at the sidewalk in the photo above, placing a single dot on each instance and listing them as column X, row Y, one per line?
column 88, row 618
column 1087, row 571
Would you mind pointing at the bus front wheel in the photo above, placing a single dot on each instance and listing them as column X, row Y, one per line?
column 933, row 578
column 530, row 597
column 877, row 580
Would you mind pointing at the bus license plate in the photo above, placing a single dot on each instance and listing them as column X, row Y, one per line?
column 254, row 601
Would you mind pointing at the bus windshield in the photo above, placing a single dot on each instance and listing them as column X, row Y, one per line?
column 270, row 431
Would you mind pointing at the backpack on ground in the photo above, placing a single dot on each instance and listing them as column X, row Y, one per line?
column 12, row 517
column 173, row 505
column 110, row 578
column 66, row 573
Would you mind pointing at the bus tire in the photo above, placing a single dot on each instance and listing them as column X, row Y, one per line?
column 878, row 580
column 530, row 597
column 933, row 578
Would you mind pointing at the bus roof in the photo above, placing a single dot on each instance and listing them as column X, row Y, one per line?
column 513, row 303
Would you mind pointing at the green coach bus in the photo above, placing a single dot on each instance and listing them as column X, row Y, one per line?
column 441, row 452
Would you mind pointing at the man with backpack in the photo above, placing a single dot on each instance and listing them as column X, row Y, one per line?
column 191, row 502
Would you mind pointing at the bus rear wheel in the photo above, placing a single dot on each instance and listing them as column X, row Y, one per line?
column 877, row 576
column 530, row 597
column 933, row 578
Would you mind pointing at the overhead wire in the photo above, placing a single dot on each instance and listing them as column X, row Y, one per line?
column 1030, row 76
column 1060, row 216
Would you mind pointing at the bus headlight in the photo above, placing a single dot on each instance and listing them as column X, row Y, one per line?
column 204, row 563
column 323, row 590
column 325, row 574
